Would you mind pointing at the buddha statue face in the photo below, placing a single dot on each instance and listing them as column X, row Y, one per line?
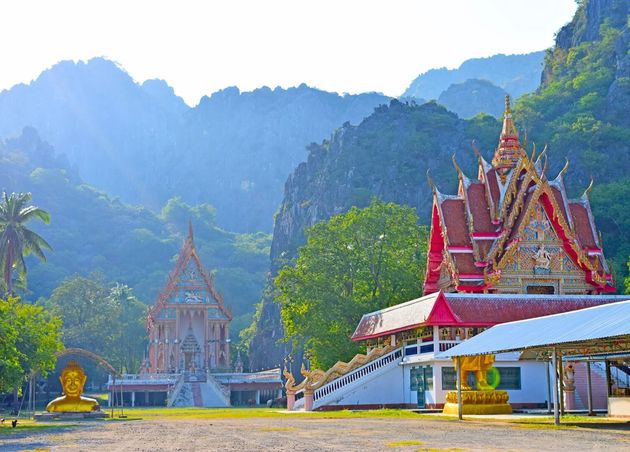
column 72, row 380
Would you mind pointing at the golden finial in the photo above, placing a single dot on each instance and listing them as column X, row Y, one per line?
column 508, row 110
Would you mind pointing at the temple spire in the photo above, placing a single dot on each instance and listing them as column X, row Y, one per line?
column 190, row 231
column 509, row 151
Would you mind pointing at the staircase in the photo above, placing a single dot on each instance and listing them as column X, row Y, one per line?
column 598, row 384
column 335, row 391
column 208, row 394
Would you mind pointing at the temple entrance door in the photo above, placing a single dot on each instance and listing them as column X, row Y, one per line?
column 191, row 352
column 188, row 361
column 421, row 380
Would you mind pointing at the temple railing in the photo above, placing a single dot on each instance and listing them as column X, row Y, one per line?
column 221, row 389
column 173, row 392
column 345, row 381
column 446, row 345
column 139, row 379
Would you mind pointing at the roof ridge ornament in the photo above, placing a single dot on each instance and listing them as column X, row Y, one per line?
column 190, row 230
column 589, row 188
column 509, row 151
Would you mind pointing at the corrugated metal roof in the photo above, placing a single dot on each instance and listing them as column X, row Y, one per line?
column 596, row 324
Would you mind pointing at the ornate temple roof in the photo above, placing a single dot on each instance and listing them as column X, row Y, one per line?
column 476, row 233
column 200, row 282
column 471, row 310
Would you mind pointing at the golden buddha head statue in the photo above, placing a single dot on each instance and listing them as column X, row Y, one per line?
column 73, row 379
column 72, row 382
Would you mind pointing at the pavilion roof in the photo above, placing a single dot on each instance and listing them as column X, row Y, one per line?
column 470, row 310
column 594, row 330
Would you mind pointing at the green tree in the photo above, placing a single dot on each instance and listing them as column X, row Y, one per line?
column 16, row 240
column 105, row 320
column 357, row 262
column 30, row 337
column 129, row 336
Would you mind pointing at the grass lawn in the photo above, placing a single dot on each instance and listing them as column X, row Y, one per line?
column 233, row 413
column 30, row 426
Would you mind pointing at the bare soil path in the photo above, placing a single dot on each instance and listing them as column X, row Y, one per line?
column 302, row 434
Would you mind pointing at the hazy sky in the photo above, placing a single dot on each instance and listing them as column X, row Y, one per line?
column 199, row 47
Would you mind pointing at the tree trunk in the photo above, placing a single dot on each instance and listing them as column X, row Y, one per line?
column 16, row 399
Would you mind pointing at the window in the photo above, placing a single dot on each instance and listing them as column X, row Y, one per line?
column 411, row 348
column 541, row 290
column 509, row 378
column 421, row 378
column 448, row 378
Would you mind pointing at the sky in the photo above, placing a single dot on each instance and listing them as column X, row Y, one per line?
column 199, row 47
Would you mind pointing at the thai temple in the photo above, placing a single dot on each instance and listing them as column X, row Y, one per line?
column 510, row 245
column 188, row 355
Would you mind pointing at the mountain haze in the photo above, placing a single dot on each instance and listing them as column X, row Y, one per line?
column 145, row 145
column 516, row 74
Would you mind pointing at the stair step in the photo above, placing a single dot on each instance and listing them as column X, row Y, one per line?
column 197, row 398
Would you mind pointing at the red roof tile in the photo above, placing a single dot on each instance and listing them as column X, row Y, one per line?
column 455, row 220
column 478, row 205
column 582, row 224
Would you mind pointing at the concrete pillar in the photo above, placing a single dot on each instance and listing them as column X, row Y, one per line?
column 561, row 380
column 548, row 388
column 608, row 379
column 308, row 400
column 133, row 399
column 290, row 400
column 109, row 399
column 258, row 397
column 556, row 398
column 589, row 389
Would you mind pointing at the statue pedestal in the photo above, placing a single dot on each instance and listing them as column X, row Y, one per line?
column 478, row 402
column 66, row 416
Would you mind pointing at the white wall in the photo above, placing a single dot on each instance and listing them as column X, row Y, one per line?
column 384, row 388
column 533, row 380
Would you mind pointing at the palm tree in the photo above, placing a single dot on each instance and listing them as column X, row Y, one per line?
column 16, row 240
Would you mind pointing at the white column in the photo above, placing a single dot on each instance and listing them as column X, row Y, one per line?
column 258, row 397
column 133, row 399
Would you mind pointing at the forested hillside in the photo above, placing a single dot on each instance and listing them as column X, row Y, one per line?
column 92, row 232
column 581, row 111
column 578, row 111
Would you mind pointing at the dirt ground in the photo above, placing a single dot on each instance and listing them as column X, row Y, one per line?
column 299, row 434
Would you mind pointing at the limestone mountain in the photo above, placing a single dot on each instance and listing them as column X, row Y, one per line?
column 516, row 74
column 239, row 147
column 385, row 156
column 473, row 97
column 144, row 144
